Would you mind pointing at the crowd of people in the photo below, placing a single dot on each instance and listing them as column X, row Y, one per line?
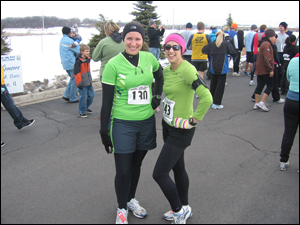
column 132, row 85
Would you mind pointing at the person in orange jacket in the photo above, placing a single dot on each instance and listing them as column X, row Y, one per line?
column 83, row 79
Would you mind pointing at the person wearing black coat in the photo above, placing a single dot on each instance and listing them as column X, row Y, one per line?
column 218, row 51
column 289, row 51
column 240, row 35
column 154, row 34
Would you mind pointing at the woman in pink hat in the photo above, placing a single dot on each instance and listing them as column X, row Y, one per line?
column 181, row 81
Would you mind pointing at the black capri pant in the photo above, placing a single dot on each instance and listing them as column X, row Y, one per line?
column 263, row 80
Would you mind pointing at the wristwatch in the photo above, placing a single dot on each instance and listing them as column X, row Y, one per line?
column 191, row 122
column 157, row 96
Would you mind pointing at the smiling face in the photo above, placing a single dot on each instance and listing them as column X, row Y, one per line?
column 133, row 42
column 174, row 57
column 85, row 53
column 281, row 29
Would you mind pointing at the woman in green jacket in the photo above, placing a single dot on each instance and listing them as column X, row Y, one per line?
column 109, row 46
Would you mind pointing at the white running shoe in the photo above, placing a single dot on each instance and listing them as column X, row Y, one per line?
column 122, row 216
column 263, row 106
column 281, row 100
column 284, row 165
column 255, row 106
column 137, row 210
column 235, row 74
column 252, row 83
column 170, row 214
column 214, row 106
column 181, row 219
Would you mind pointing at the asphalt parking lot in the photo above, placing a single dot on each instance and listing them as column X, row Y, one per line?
column 58, row 172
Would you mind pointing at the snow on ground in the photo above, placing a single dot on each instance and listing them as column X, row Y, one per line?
column 40, row 53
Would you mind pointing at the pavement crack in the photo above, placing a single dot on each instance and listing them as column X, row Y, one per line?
column 247, row 141
column 49, row 118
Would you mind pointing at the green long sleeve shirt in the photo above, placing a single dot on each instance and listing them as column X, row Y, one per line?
column 106, row 49
column 177, row 89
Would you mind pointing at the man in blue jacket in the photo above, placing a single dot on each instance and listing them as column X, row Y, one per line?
column 68, row 57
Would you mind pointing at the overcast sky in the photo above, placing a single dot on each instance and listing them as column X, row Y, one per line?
column 212, row 13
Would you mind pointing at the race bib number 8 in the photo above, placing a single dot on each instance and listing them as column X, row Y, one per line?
column 168, row 110
column 139, row 95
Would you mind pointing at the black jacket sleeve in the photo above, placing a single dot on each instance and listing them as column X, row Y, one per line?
column 159, row 81
column 231, row 50
column 107, row 100
column 276, row 59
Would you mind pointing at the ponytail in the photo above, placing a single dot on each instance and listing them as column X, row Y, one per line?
column 220, row 37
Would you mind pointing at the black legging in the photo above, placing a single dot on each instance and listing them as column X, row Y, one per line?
column 128, row 169
column 291, row 124
column 236, row 63
column 172, row 157
column 217, row 87
column 263, row 80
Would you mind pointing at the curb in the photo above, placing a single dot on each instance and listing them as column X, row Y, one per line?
column 46, row 95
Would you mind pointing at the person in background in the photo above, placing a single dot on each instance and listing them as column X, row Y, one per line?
column 68, row 58
column 249, row 54
column 289, row 52
column 264, row 69
column 219, row 51
column 76, row 37
column 83, row 79
column 237, row 59
column 291, row 113
column 275, row 91
column 280, row 46
column 198, row 41
column 186, row 35
column 227, row 37
column 255, row 42
column 288, row 32
column 181, row 80
column 19, row 120
column 213, row 37
column 108, row 47
column 127, row 80
column 154, row 34
column 233, row 34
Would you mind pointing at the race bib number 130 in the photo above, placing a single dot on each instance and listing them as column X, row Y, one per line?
column 139, row 95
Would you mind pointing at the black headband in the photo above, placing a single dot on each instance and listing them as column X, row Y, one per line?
column 130, row 27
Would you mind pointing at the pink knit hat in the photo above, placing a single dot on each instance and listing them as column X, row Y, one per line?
column 177, row 38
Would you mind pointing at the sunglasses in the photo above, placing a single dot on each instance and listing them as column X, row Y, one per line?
column 175, row 47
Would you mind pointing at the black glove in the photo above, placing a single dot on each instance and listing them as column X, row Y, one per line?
column 106, row 140
column 155, row 102
column 80, row 85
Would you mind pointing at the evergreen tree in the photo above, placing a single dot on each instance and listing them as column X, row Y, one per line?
column 98, row 37
column 144, row 12
column 229, row 20
column 4, row 45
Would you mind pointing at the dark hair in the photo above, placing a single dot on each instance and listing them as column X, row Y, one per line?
column 289, row 40
column 240, row 34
